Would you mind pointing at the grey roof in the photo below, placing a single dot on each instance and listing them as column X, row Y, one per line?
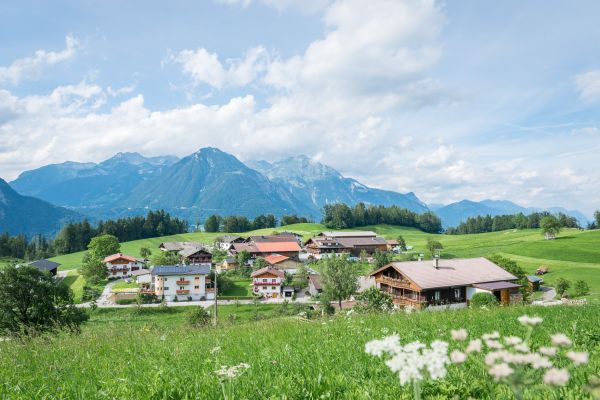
column 316, row 281
column 175, row 246
column 140, row 272
column 348, row 234
column 188, row 251
column 533, row 278
column 44, row 264
column 163, row 270
column 229, row 238
column 453, row 272
column 496, row 285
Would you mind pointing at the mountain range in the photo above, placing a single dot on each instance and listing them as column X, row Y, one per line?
column 28, row 215
column 206, row 182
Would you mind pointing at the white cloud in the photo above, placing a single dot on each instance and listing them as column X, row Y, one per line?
column 437, row 158
column 205, row 67
column 31, row 67
column 587, row 131
column 588, row 85
column 306, row 6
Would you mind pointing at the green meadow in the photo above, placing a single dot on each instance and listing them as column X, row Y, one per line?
column 124, row 354
column 573, row 255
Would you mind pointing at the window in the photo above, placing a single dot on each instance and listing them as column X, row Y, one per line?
column 264, row 288
column 436, row 295
column 181, row 287
column 165, row 279
column 196, row 287
column 197, row 278
column 166, row 288
column 457, row 294
column 264, row 280
column 181, row 278
column 273, row 280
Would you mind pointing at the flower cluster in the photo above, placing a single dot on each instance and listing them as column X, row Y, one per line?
column 414, row 361
column 232, row 372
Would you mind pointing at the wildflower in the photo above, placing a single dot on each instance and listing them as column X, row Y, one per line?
column 458, row 357
column 459, row 334
column 500, row 371
column 226, row 372
column 526, row 320
column 163, row 338
column 561, row 340
column 492, row 357
column 215, row 350
column 556, row 376
column 489, row 336
column 522, row 347
column 578, row 357
column 548, row 351
column 474, row 346
column 493, row 344
column 513, row 340
column 390, row 344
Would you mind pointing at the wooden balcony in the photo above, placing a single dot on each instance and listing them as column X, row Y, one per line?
column 146, row 291
column 209, row 290
column 399, row 283
column 184, row 282
column 182, row 291
column 409, row 301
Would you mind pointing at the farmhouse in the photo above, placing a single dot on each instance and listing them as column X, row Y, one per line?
column 281, row 262
column 120, row 265
column 267, row 281
column 263, row 246
column 191, row 253
column 225, row 242
column 142, row 276
column 419, row 284
column 46, row 265
column 228, row 264
column 183, row 282
column 353, row 243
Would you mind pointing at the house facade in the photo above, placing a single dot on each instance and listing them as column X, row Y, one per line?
column 327, row 244
column 183, row 282
column 121, row 265
column 267, row 282
column 263, row 246
column 447, row 283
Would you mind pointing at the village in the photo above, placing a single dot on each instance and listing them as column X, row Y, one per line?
column 281, row 267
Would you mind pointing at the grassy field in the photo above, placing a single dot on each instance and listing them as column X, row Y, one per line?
column 154, row 355
column 573, row 255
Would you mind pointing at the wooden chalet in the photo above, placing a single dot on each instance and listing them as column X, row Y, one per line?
column 353, row 243
column 191, row 253
column 420, row 284
column 263, row 246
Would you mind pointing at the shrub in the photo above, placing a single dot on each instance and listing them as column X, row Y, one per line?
column 581, row 288
column 90, row 293
column 123, row 302
column 562, row 285
column 374, row 300
column 198, row 318
column 483, row 299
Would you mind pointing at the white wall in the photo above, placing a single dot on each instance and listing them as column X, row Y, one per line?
column 273, row 285
column 167, row 286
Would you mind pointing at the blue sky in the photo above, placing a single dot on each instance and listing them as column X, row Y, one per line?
column 451, row 100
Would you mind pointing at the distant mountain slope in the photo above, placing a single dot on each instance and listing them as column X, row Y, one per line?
column 455, row 213
column 84, row 185
column 316, row 184
column 30, row 216
column 213, row 182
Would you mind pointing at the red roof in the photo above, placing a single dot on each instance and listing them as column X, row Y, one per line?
column 277, row 247
column 275, row 258
column 118, row 256
column 268, row 270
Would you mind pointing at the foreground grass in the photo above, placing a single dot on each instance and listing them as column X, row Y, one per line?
column 153, row 356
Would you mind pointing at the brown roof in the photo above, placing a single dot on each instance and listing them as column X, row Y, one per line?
column 316, row 281
column 268, row 270
column 453, row 272
column 275, row 258
column 249, row 247
column 277, row 247
column 119, row 256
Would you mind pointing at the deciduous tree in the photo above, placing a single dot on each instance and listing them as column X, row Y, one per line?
column 340, row 278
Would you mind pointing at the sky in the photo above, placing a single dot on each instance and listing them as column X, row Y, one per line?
column 451, row 100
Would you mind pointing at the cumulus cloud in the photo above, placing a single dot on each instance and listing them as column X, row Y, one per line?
column 205, row 67
column 588, row 85
column 307, row 6
column 31, row 67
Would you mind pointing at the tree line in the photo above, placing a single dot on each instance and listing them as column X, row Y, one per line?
column 76, row 236
column 481, row 224
column 237, row 223
column 341, row 216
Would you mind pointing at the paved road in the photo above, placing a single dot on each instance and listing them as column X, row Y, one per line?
column 104, row 303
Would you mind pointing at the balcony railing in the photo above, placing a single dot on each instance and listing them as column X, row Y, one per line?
column 146, row 291
column 209, row 290
column 182, row 291
column 393, row 282
column 184, row 282
column 267, row 283
column 413, row 301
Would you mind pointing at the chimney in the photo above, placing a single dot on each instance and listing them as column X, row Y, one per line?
column 436, row 262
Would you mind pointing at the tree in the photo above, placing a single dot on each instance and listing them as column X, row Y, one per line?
column 561, row 285
column 401, row 243
column 103, row 246
column 597, row 219
column 514, row 268
column 166, row 258
column 382, row 258
column 145, row 252
column 581, row 288
column 483, row 299
column 433, row 245
column 375, row 300
column 93, row 269
column 289, row 278
column 242, row 257
column 212, row 223
column 199, row 317
column 32, row 301
column 550, row 226
column 340, row 278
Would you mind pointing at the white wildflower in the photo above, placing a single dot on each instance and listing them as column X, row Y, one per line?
column 561, row 339
column 578, row 357
column 215, row 350
column 489, row 336
column 526, row 320
column 474, row 346
column 390, row 345
column 556, row 376
column 493, row 344
column 163, row 338
column 522, row 347
column 232, row 372
column 548, row 351
column 458, row 357
column 500, row 371
column 512, row 340
column 459, row 334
